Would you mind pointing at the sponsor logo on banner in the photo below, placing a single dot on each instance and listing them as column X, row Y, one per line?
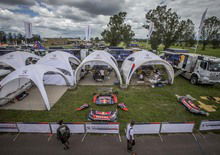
column 8, row 127
column 209, row 125
column 177, row 127
column 102, row 128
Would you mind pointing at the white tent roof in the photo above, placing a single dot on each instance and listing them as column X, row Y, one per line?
column 36, row 74
column 101, row 57
column 17, row 59
column 61, row 60
column 135, row 60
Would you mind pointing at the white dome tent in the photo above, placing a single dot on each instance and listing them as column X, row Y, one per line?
column 99, row 57
column 137, row 59
column 23, row 76
column 15, row 60
column 62, row 61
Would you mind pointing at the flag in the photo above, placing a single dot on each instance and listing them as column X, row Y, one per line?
column 201, row 24
column 151, row 29
column 88, row 33
column 28, row 30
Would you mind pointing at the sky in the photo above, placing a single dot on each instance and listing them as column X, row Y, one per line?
column 70, row 18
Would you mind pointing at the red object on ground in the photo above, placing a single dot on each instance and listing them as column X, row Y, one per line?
column 84, row 106
column 122, row 106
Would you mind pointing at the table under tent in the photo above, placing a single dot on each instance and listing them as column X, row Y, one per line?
column 25, row 88
column 13, row 60
column 146, row 68
column 63, row 61
column 98, row 68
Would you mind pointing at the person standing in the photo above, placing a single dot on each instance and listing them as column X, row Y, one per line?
column 63, row 134
column 130, row 136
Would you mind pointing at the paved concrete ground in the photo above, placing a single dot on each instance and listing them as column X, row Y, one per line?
column 34, row 100
column 173, row 144
column 88, row 80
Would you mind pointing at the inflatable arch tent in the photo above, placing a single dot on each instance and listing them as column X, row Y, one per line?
column 137, row 59
column 63, row 61
column 15, row 60
column 102, row 57
column 20, row 80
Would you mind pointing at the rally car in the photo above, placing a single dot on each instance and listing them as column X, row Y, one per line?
column 106, row 99
column 190, row 106
column 95, row 115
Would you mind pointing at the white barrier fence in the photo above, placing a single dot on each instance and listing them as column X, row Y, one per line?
column 164, row 127
column 103, row 128
column 74, row 127
column 209, row 125
column 34, row 127
column 8, row 127
column 112, row 128
column 177, row 127
column 147, row 128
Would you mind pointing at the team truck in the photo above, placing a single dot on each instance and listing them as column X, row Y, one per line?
column 199, row 69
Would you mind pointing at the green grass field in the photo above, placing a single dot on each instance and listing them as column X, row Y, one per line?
column 145, row 104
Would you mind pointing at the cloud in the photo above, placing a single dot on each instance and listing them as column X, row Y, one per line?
column 69, row 18
column 96, row 7
column 18, row 2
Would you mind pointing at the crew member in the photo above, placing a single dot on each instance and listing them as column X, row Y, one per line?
column 102, row 72
column 130, row 136
column 63, row 134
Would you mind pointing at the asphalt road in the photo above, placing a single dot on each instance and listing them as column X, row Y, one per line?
column 176, row 144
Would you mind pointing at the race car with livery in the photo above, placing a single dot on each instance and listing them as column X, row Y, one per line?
column 105, row 99
column 95, row 115
column 190, row 106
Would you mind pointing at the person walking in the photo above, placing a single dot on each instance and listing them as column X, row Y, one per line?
column 63, row 134
column 130, row 136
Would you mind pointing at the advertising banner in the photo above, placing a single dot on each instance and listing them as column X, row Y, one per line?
column 112, row 128
column 147, row 128
column 8, row 127
column 177, row 127
column 209, row 125
column 34, row 127
column 74, row 127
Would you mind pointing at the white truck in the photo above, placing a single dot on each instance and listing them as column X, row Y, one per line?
column 199, row 69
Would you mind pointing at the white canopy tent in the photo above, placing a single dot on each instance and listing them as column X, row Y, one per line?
column 137, row 59
column 14, row 60
column 17, row 59
column 62, row 61
column 99, row 57
column 20, row 77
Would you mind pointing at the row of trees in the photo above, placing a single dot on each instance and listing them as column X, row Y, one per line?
column 168, row 29
column 16, row 38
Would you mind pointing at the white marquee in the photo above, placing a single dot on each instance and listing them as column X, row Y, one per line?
column 137, row 59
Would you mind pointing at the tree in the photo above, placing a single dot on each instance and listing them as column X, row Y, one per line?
column 10, row 37
column 35, row 37
column 20, row 37
column 3, row 38
column 188, row 32
column 96, row 39
column 167, row 24
column 210, row 31
column 117, row 30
